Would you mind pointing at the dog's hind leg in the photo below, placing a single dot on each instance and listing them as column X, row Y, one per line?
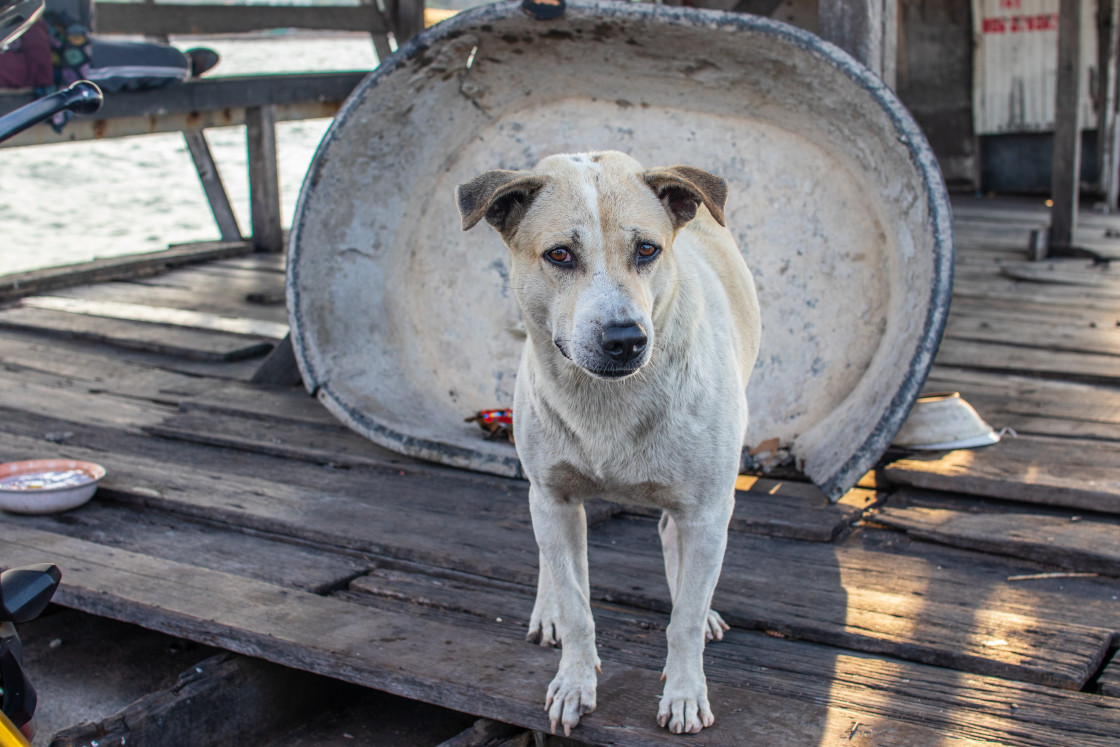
column 670, row 546
column 560, row 526
column 701, row 539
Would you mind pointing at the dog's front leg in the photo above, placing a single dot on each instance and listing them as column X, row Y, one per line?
column 702, row 538
column 670, row 547
column 560, row 526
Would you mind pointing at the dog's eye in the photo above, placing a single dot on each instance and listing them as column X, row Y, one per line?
column 647, row 251
column 560, row 256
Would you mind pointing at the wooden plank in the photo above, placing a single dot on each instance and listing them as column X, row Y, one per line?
column 774, row 508
column 1072, row 337
column 332, row 444
column 161, row 535
column 264, row 179
column 194, row 20
column 784, row 508
column 154, row 338
column 828, row 608
column 1109, row 681
column 20, row 391
column 1064, row 272
column 973, row 281
column 105, row 369
column 276, row 263
column 1016, row 359
column 494, row 675
column 1014, row 308
column 159, row 315
column 490, row 536
column 974, row 707
column 413, row 535
column 271, row 404
column 226, row 298
column 1073, row 543
column 65, row 366
column 1049, row 471
column 225, row 699
column 27, row 283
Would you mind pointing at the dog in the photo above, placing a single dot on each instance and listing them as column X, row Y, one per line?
column 642, row 329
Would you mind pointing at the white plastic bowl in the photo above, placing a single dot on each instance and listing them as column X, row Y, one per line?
column 47, row 486
column 942, row 421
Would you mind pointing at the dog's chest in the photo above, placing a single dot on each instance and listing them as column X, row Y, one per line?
column 577, row 482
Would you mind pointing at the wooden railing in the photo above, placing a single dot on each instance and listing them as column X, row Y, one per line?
column 257, row 102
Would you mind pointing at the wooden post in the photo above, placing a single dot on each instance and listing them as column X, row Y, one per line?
column 866, row 29
column 1066, row 164
column 212, row 185
column 1108, row 14
column 381, row 36
column 409, row 19
column 264, row 179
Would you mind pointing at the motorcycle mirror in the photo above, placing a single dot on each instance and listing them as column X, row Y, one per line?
column 25, row 592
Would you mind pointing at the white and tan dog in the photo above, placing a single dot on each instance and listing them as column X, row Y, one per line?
column 643, row 327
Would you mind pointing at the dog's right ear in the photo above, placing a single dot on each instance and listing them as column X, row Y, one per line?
column 501, row 197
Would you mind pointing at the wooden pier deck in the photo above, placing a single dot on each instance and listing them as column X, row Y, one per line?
column 961, row 598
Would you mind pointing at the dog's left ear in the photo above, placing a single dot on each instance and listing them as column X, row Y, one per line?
column 681, row 189
column 499, row 196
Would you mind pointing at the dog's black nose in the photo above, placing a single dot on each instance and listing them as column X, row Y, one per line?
column 624, row 344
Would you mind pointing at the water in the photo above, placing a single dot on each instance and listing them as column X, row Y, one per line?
column 73, row 202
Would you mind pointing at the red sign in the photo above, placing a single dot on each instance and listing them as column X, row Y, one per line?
column 1019, row 24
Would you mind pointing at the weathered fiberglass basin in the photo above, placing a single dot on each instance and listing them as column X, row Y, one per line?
column 403, row 325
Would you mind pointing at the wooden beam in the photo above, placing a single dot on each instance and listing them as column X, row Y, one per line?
column 217, row 102
column 212, row 185
column 180, row 19
column 1108, row 15
column 264, row 179
column 217, row 93
column 1066, row 164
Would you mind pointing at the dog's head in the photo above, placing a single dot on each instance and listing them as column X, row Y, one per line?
column 591, row 242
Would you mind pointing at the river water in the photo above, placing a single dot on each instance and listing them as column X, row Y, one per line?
column 72, row 202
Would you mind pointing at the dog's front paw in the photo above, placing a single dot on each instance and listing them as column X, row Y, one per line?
column 714, row 627
column 681, row 712
column 570, row 695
